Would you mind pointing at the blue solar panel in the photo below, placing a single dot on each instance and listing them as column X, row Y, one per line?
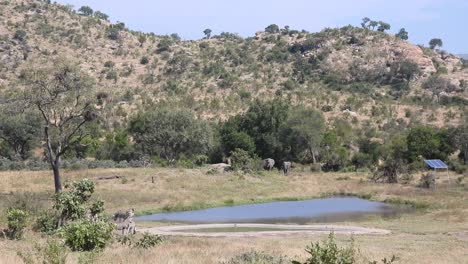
column 436, row 164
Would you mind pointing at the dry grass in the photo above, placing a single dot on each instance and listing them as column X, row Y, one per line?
column 422, row 237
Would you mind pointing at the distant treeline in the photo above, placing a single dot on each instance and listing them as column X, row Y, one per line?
column 268, row 129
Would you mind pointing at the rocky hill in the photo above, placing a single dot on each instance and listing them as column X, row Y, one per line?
column 366, row 76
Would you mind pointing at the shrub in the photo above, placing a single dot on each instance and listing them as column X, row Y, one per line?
column 148, row 240
column 241, row 160
column 109, row 64
column 17, row 221
column 144, row 60
column 87, row 235
column 254, row 257
column 201, row 160
column 427, row 180
column 47, row 222
column 329, row 253
column 20, row 35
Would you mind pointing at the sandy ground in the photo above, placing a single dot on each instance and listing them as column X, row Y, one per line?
column 290, row 230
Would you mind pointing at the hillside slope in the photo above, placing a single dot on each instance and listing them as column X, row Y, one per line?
column 366, row 76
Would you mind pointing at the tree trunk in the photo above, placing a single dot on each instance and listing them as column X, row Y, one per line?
column 57, row 178
column 314, row 160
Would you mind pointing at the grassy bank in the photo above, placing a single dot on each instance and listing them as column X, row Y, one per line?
column 433, row 235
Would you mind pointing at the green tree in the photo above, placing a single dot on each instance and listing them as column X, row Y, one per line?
column 365, row 22
column 86, row 11
column 429, row 143
column 63, row 95
column 383, row 26
column 303, row 132
column 101, row 15
column 394, row 156
column 232, row 138
column 262, row 122
column 461, row 140
column 273, row 28
column 86, row 144
column 20, row 133
column 207, row 33
column 116, row 146
column 373, row 24
column 170, row 133
column 435, row 42
column 402, row 34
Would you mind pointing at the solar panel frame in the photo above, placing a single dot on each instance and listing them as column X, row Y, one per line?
column 436, row 164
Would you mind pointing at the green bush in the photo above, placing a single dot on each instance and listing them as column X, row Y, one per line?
column 254, row 257
column 242, row 161
column 86, row 235
column 329, row 253
column 148, row 240
column 144, row 60
column 17, row 222
column 20, row 35
column 47, row 222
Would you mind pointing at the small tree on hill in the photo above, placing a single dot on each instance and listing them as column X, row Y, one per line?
column 62, row 95
column 207, row 33
column 435, row 42
column 373, row 24
column 402, row 34
column 273, row 28
column 101, row 15
column 86, row 11
column 365, row 22
column 383, row 26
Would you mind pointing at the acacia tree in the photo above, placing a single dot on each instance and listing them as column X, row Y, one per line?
column 273, row 28
column 207, row 33
column 402, row 34
column 62, row 94
column 435, row 42
column 86, row 11
column 383, row 26
column 303, row 132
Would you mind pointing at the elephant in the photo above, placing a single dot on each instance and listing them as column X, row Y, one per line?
column 268, row 164
column 286, row 167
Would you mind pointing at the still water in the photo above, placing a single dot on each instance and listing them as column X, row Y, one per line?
column 317, row 210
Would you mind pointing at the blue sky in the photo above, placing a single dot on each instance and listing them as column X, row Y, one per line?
column 423, row 19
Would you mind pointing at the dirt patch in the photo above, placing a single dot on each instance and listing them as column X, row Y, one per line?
column 282, row 230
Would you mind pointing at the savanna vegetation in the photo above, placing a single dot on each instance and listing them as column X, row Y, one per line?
column 95, row 118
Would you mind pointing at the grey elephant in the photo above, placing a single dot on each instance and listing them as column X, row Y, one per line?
column 268, row 164
column 286, row 167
